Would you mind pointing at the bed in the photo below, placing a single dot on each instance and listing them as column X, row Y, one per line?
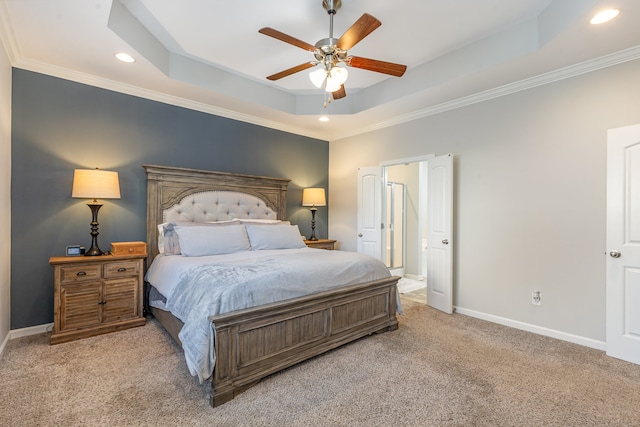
column 254, row 341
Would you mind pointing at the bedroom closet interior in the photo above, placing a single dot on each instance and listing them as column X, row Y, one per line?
column 404, row 218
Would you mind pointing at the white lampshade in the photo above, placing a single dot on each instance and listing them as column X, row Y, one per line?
column 313, row 197
column 317, row 77
column 337, row 77
column 95, row 184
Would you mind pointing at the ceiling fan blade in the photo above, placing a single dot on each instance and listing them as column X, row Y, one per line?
column 292, row 70
column 286, row 38
column 340, row 93
column 359, row 30
column 377, row 66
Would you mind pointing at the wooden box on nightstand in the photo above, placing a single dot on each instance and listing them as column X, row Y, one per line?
column 321, row 244
column 95, row 295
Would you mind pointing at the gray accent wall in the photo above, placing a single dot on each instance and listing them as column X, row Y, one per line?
column 59, row 125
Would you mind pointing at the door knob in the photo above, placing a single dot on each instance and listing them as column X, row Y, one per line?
column 359, row 234
column 615, row 254
column 445, row 242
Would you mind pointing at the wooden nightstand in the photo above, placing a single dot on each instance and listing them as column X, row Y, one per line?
column 96, row 295
column 321, row 244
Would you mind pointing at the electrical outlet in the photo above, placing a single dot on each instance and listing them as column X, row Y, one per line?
column 536, row 298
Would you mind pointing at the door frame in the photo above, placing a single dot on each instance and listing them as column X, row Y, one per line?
column 422, row 224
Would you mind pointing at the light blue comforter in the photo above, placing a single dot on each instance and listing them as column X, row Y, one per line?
column 207, row 287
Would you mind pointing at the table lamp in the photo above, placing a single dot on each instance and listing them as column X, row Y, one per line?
column 95, row 184
column 313, row 197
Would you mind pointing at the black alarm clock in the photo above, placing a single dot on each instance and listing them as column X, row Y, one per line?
column 75, row 250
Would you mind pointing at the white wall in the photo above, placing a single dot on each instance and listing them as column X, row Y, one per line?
column 529, row 202
column 5, row 196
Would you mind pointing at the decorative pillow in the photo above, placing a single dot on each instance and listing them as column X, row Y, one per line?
column 168, row 242
column 202, row 240
column 274, row 236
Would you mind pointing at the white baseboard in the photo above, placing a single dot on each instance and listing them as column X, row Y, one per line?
column 576, row 339
column 25, row 332
column 31, row 330
column 4, row 343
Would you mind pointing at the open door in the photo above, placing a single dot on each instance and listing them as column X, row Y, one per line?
column 623, row 243
column 370, row 211
column 440, row 233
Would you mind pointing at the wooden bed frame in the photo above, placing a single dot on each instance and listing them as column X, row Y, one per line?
column 254, row 343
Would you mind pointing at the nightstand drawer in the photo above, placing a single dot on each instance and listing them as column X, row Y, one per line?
column 79, row 273
column 327, row 244
column 121, row 269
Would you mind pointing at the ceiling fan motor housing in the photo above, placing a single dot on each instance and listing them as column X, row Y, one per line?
column 331, row 6
column 327, row 47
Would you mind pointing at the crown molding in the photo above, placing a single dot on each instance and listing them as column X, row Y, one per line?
column 613, row 59
column 127, row 89
column 575, row 70
column 7, row 38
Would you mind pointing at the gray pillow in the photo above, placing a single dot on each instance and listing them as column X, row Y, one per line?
column 206, row 240
column 274, row 236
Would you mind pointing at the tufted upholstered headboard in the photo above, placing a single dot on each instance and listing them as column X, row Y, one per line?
column 180, row 194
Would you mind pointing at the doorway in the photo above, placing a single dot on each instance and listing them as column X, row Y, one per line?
column 396, row 215
column 434, row 201
column 404, row 226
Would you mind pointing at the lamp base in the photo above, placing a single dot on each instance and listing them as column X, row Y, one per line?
column 313, row 223
column 94, row 250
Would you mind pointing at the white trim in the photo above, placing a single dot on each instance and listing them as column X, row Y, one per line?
column 7, row 37
column 127, row 89
column 4, row 343
column 610, row 60
column 616, row 58
column 25, row 332
column 31, row 330
column 576, row 339
column 416, row 159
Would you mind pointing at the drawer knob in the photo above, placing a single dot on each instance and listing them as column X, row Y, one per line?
column 122, row 269
column 81, row 273
column 102, row 302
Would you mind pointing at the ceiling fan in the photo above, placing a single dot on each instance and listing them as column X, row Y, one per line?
column 330, row 52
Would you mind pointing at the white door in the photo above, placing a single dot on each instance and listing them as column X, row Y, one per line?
column 440, row 233
column 370, row 211
column 623, row 243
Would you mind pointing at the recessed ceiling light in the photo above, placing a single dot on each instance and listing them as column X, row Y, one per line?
column 604, row 16
column 324, row 119
column 125, row 57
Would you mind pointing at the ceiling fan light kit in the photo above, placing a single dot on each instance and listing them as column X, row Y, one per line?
column 330, row 52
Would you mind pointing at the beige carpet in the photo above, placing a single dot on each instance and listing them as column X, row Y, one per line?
column 435, row 370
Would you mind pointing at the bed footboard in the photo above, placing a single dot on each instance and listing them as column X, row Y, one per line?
column 254, row 343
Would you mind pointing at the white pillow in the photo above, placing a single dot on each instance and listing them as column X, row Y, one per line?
column 206, row 240
column 274, row 236
column 168, row 242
